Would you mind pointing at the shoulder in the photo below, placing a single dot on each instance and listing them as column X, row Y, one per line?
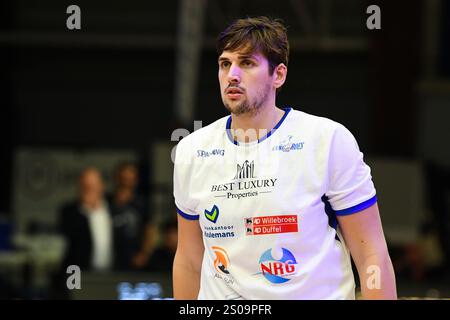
column 322, row 132
column 313, row 122
column 202, row 138
column 319, row 126
column 69, row 208
column 70, row 214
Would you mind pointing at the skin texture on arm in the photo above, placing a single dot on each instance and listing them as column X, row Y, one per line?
column 188, row 260
column 363, row 234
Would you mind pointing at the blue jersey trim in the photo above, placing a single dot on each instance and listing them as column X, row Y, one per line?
column 332, row 220
column 228, row 127
column 229, row 131
column 359, row 207
column 187, row 216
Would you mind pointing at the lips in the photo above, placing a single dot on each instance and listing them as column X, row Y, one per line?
column 234, row 93
column 234, row 90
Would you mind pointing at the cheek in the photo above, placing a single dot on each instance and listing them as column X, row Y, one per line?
column 262, row 84
column 221, row 76
column 223, row 85
column 221, row 80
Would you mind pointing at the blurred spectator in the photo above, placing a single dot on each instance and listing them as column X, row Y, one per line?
column 162, row 259
column 134, row 234
column 86, row 225
column 438, row 187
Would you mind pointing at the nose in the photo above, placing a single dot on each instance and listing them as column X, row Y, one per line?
column 234, row 74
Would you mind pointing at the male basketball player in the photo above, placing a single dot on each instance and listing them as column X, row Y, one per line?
column 273, row 202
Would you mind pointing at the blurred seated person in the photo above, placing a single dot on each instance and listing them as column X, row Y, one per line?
column 134, row 234
column 86, row 225
column 162, row 258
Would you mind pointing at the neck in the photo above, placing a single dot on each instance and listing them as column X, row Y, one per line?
column 92, row 204
column 123, row 194
column 251, row 127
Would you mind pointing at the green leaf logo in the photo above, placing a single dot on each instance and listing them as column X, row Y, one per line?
column 213, row 214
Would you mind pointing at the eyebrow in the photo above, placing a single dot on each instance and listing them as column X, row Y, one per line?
column 247, row 56
column 240, row 57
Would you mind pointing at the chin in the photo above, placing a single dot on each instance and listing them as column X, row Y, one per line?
column 233, row 108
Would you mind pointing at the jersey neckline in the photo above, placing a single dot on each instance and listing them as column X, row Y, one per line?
column 230, row 137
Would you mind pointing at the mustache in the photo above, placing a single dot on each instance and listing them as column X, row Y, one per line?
column 234, row 86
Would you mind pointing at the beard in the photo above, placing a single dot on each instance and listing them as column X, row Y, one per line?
column 247, row 107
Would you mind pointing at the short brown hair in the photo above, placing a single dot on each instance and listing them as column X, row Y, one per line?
column 268, row 36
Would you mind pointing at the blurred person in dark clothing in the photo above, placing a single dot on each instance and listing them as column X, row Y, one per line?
column 438, row 187
column 162, row 259
column 134, row 233
column 86, row 225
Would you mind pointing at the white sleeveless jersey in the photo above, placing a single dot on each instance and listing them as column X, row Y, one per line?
column 268, row 209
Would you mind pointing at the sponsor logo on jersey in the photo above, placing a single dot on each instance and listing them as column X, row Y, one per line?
column 287, row 145
column 207, row 154
column 271, row 225
column 221, row 262
column 278, row 271
column 221, row 265
column 217, row 230
column 244, row 184
column 213, row 214
column 246, row 171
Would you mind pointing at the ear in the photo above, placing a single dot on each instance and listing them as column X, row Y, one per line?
column 279, row 74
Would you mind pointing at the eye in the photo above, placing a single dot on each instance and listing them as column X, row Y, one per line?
column 248, row 63
column 224, row 64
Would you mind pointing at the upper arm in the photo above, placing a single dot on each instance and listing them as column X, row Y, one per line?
column 188, row 260
column 190, row 243
column 363, row 233
column 352, row 196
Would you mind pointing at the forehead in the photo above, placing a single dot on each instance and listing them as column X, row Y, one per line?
column 90, row 176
